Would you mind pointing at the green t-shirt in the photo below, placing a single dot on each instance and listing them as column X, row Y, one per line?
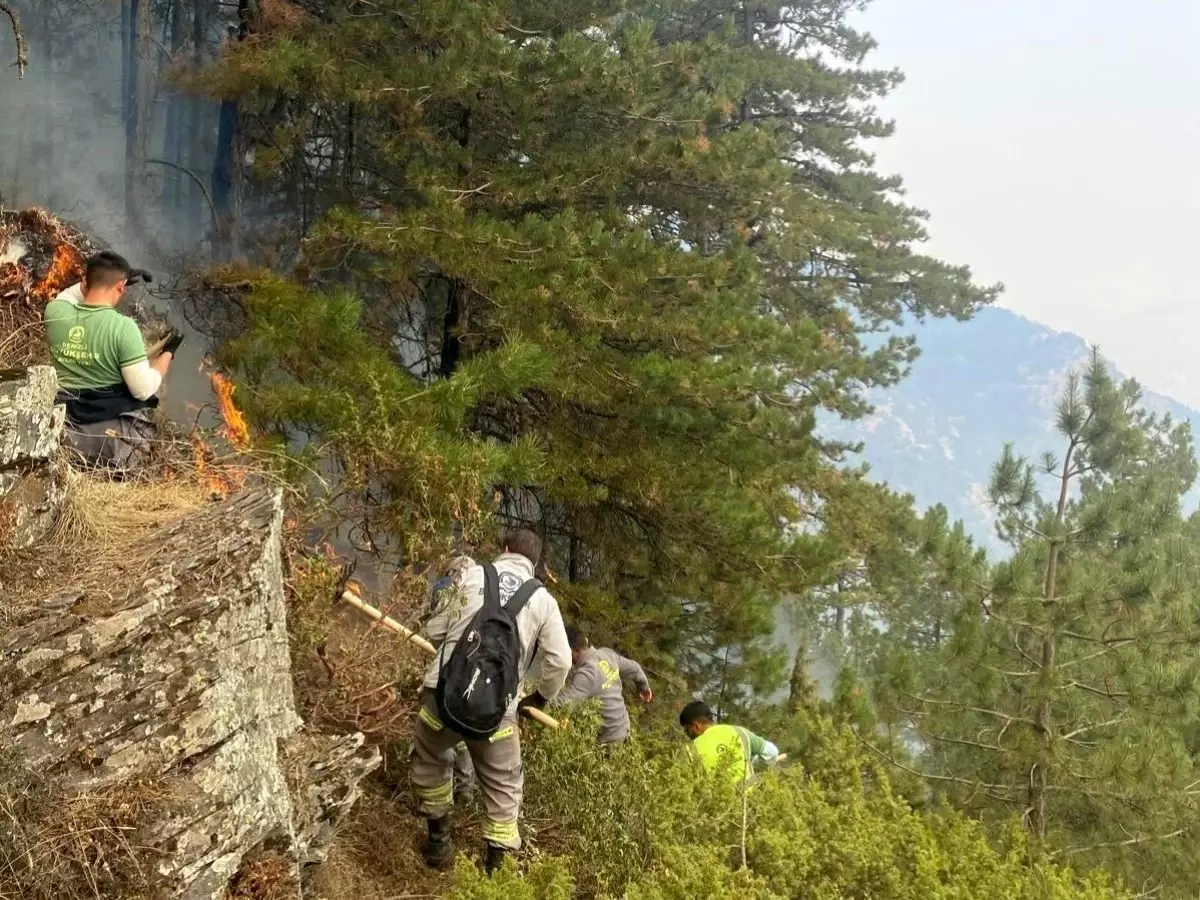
column 90, row 344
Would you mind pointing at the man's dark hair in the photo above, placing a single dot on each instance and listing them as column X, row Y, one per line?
column 106, row 269
column 696, row 711
column 577, row 639
column 526, row 543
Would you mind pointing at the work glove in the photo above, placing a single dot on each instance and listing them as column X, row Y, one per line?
column 136, row 275
column 536, row 700
column 173, row 342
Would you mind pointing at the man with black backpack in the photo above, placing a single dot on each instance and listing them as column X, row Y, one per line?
column 491, row 628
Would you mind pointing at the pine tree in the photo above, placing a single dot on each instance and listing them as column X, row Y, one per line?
column 1066, row 691
column 606, row 259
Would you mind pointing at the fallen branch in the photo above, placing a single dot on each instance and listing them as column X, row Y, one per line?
column 391, row 624
column 19, row 34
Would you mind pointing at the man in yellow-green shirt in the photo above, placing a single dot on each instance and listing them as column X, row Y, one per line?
column 728, row 751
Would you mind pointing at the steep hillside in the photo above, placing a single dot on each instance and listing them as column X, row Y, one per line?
column 976, row 385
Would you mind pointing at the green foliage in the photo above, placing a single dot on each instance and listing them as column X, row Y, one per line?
column 644, row 825
column 601, row 262
column 1064, row 690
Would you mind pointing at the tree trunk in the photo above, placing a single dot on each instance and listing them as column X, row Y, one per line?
column 1039, row 777
column 172, row 134
column 136, row 22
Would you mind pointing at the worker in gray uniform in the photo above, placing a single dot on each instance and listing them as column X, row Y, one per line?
column 464, row 771
column 600, row 673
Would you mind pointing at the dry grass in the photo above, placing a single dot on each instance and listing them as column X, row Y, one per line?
column 350, row 674
column 267, row 876
column 98, row 543
column 109, row 517
column 378, row 855
column 56, row 847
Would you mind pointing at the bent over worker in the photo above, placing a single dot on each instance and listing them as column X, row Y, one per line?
column 600, row 672
column 727, row 751
column 497, row 760
column 107, row 383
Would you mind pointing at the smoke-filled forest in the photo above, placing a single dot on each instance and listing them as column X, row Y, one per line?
column 598, row 269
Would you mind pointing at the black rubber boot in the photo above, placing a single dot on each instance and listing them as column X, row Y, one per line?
column 439, row 851
column 495, row 858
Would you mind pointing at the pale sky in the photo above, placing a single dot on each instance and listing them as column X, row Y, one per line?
column 1056, row 144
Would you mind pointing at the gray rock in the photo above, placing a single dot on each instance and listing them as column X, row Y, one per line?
column 180, row 677
column 32, row 479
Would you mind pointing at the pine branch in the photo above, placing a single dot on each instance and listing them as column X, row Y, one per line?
column 19, row 35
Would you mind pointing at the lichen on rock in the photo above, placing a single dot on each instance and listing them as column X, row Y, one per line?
column 31, row 476
column 176, row 673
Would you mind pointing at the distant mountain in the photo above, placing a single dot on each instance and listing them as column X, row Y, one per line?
column 975, row 386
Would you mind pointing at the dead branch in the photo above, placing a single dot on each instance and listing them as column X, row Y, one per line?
column 1132, row 842
column 19, row 34
column 212, row 208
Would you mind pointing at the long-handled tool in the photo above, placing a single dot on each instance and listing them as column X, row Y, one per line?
column 352, row 599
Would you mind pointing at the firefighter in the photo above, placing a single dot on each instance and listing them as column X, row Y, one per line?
column 443, row 589
column 106, row 382
column 728, row 751
column 599, row 672
column 496, row 759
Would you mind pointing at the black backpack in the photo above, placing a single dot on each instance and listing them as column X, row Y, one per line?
column 480, row 680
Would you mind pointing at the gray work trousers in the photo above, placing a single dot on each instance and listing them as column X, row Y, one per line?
column 464, row 772
column 123, row 444
column 497, row 763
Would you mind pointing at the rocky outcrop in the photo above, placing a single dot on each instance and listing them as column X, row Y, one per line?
column 32, row 478
column 172, row 683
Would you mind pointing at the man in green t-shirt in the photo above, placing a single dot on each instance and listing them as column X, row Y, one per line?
column 106, row 382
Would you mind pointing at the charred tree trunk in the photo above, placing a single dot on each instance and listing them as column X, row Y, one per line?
column 173, row 133
column 226, row 164
column 452, row 327
column 135, row 21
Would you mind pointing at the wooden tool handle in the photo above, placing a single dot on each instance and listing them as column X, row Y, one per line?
column 388, row 622
column 391, row 624
column 538, row 716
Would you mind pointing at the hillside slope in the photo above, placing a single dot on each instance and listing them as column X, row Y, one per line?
column 975, row 386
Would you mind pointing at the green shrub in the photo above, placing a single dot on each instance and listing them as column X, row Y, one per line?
column 642, row 825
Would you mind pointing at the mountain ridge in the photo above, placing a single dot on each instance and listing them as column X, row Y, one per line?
column 975, row 386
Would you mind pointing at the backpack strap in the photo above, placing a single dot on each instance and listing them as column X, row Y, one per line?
column 491, row 587
column 517, row 601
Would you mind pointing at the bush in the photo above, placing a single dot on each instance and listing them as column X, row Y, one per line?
column 640, row 825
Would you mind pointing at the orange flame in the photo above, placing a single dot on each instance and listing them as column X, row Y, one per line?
column 220, row 481
column 65, row 270
column 234, row 427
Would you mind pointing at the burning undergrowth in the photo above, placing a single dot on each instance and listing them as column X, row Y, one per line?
column 39, row 257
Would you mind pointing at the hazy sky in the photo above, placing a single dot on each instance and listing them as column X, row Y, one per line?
column 1056, row 144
